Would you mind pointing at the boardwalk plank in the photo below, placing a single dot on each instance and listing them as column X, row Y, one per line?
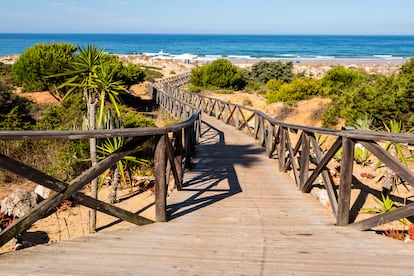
column 236, row 215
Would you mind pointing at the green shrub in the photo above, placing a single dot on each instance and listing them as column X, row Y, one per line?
column 152, row 73
column 265, row 71
column 15, row 111
column 255, row 86
column 274, row 84
column 299, row 89
column 133, row 74
column 133, row 119
column 68, row 115
column 197, row 76
column 6, row 73
column 382, row 98
column 339, row 79
column 40, row 61
column 330, row 117
column 221, row 73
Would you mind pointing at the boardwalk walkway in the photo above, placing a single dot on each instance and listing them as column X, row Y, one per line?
column 235, row 216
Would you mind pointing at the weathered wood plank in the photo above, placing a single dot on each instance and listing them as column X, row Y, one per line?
column 54, row 184
column 389, row 161
column 401, row 212
column 304, row 160
column 49, row 204
column 236, row 215
column 322, row 163
column 160, row 165
column 345, row 182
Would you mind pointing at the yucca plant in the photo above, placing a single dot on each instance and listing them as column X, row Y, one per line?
column 364, row 123
column 391, row 179
column 383, row 206
column 121, row 169
column 361, row 155
column 89, row 74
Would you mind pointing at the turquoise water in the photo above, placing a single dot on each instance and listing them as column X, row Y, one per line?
column 312, row 47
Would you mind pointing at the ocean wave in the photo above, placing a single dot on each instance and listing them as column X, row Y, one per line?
column 277, row 57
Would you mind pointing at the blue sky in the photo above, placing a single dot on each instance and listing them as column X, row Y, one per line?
column 208, row 16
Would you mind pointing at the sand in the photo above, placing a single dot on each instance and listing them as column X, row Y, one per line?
column 315, row 68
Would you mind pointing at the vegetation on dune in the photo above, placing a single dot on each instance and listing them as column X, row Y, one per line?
column 15, row 111
column 353, row 94
column 383, row 98
column 265, row 71
column 299, row 89
column 221, row 73
column 76, row 76
column 38, row 62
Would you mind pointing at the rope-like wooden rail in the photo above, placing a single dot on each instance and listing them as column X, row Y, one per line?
column 297, row 149
column 174, row 146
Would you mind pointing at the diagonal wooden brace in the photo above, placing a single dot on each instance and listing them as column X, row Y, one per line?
column 75, row 185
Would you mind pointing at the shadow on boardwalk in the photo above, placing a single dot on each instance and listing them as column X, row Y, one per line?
column 213, row 172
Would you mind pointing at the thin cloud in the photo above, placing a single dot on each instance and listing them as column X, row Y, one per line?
column 121, row 2
column 69, row 7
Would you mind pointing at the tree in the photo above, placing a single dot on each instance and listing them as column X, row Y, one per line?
column 39, row 61
column 93, row 77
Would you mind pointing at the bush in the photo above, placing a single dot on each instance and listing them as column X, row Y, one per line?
column 299, row 89
column 5, row 73
column 68, row 115
column 265, row 71
column 131, row 74
column 255, row 86
column 133, row 119
column 221, row 73
column 15, row 111
column 40, row 61
column 385, row 99
column 339, row 79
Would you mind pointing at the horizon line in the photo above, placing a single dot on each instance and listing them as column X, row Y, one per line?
column 217, row 34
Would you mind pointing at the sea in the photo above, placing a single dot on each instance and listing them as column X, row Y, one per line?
column 238, row 47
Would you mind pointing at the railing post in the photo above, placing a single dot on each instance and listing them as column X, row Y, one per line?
column 304, row 160
column 178, row 159
column 282, row 148
column 187, row 147
column 269, row 140
column 262, row 131
column 256, row 126
column 226, row 114
column 237, row 122
column 345, row 182
column 160, row 165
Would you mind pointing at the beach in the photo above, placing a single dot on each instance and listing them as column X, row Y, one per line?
column 315, row 68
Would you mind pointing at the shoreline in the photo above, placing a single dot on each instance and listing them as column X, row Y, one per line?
column 316, row 67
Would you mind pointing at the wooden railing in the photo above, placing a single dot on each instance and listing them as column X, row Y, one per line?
column 174, row 147
column 174, row 81
column 298, row 151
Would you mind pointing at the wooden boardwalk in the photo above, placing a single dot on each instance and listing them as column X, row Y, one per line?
column 236, row 215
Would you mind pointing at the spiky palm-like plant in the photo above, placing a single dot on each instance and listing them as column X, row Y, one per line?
column 90, row 74
column 122, row 168
column 396, row 150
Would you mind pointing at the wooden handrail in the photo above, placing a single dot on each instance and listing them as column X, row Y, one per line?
column 296, row 147
column 175, row 152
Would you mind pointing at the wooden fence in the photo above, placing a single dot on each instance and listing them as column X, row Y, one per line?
column 174, row 147
column 298, row 151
